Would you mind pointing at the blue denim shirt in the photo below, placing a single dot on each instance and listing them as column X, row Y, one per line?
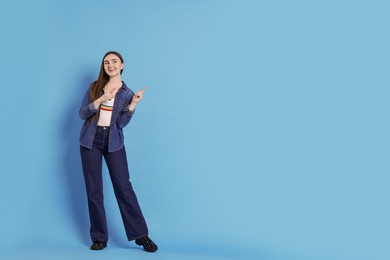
column 121, row 116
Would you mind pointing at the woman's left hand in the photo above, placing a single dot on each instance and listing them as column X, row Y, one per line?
column 138, row 96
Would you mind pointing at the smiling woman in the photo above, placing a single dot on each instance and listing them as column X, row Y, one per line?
column 266, row 134
column 107, row 108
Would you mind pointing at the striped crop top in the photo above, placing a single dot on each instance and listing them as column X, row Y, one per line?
column 106, row 112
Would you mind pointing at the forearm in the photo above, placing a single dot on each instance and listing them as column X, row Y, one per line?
column 132, row 106
column 128, row 112
column 87, row 111
column 97, row 102
column 125, row 117
column 87, row 108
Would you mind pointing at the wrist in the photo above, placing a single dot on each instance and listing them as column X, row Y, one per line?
column 132, row 106
column 98, row 101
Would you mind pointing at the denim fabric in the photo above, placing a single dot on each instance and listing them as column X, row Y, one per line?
column 121, row 116
column 133, row 220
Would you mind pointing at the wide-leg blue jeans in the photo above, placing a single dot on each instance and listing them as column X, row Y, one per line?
column 133, row 219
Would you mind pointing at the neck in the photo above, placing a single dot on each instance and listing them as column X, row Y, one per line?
column 115, row 80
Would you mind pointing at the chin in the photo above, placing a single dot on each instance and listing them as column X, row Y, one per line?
column 112, row 73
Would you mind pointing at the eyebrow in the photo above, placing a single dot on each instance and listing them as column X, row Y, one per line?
column 111, row 59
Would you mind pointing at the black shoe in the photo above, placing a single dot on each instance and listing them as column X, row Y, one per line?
column 98, row 245
column 147, row 243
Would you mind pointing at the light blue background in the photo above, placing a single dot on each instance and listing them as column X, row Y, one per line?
column 264, row 133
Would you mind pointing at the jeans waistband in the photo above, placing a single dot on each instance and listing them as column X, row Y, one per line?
column 103, row 127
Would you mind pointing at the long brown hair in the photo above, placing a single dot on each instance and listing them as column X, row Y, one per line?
column 98, row 85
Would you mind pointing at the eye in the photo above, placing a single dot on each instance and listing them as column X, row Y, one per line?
column 115, row 61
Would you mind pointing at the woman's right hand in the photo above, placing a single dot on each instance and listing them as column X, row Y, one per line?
column 104, row 97
column 107, row 96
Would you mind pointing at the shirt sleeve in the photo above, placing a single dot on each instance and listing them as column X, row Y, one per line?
column 126, row 115
column 87, row 109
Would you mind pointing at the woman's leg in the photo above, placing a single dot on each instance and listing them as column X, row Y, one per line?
column 92, row 168
column 132, row 216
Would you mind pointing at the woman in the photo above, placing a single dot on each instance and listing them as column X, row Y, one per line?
column 107, row 108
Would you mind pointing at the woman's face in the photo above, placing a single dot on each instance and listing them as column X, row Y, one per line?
column 112, row 65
